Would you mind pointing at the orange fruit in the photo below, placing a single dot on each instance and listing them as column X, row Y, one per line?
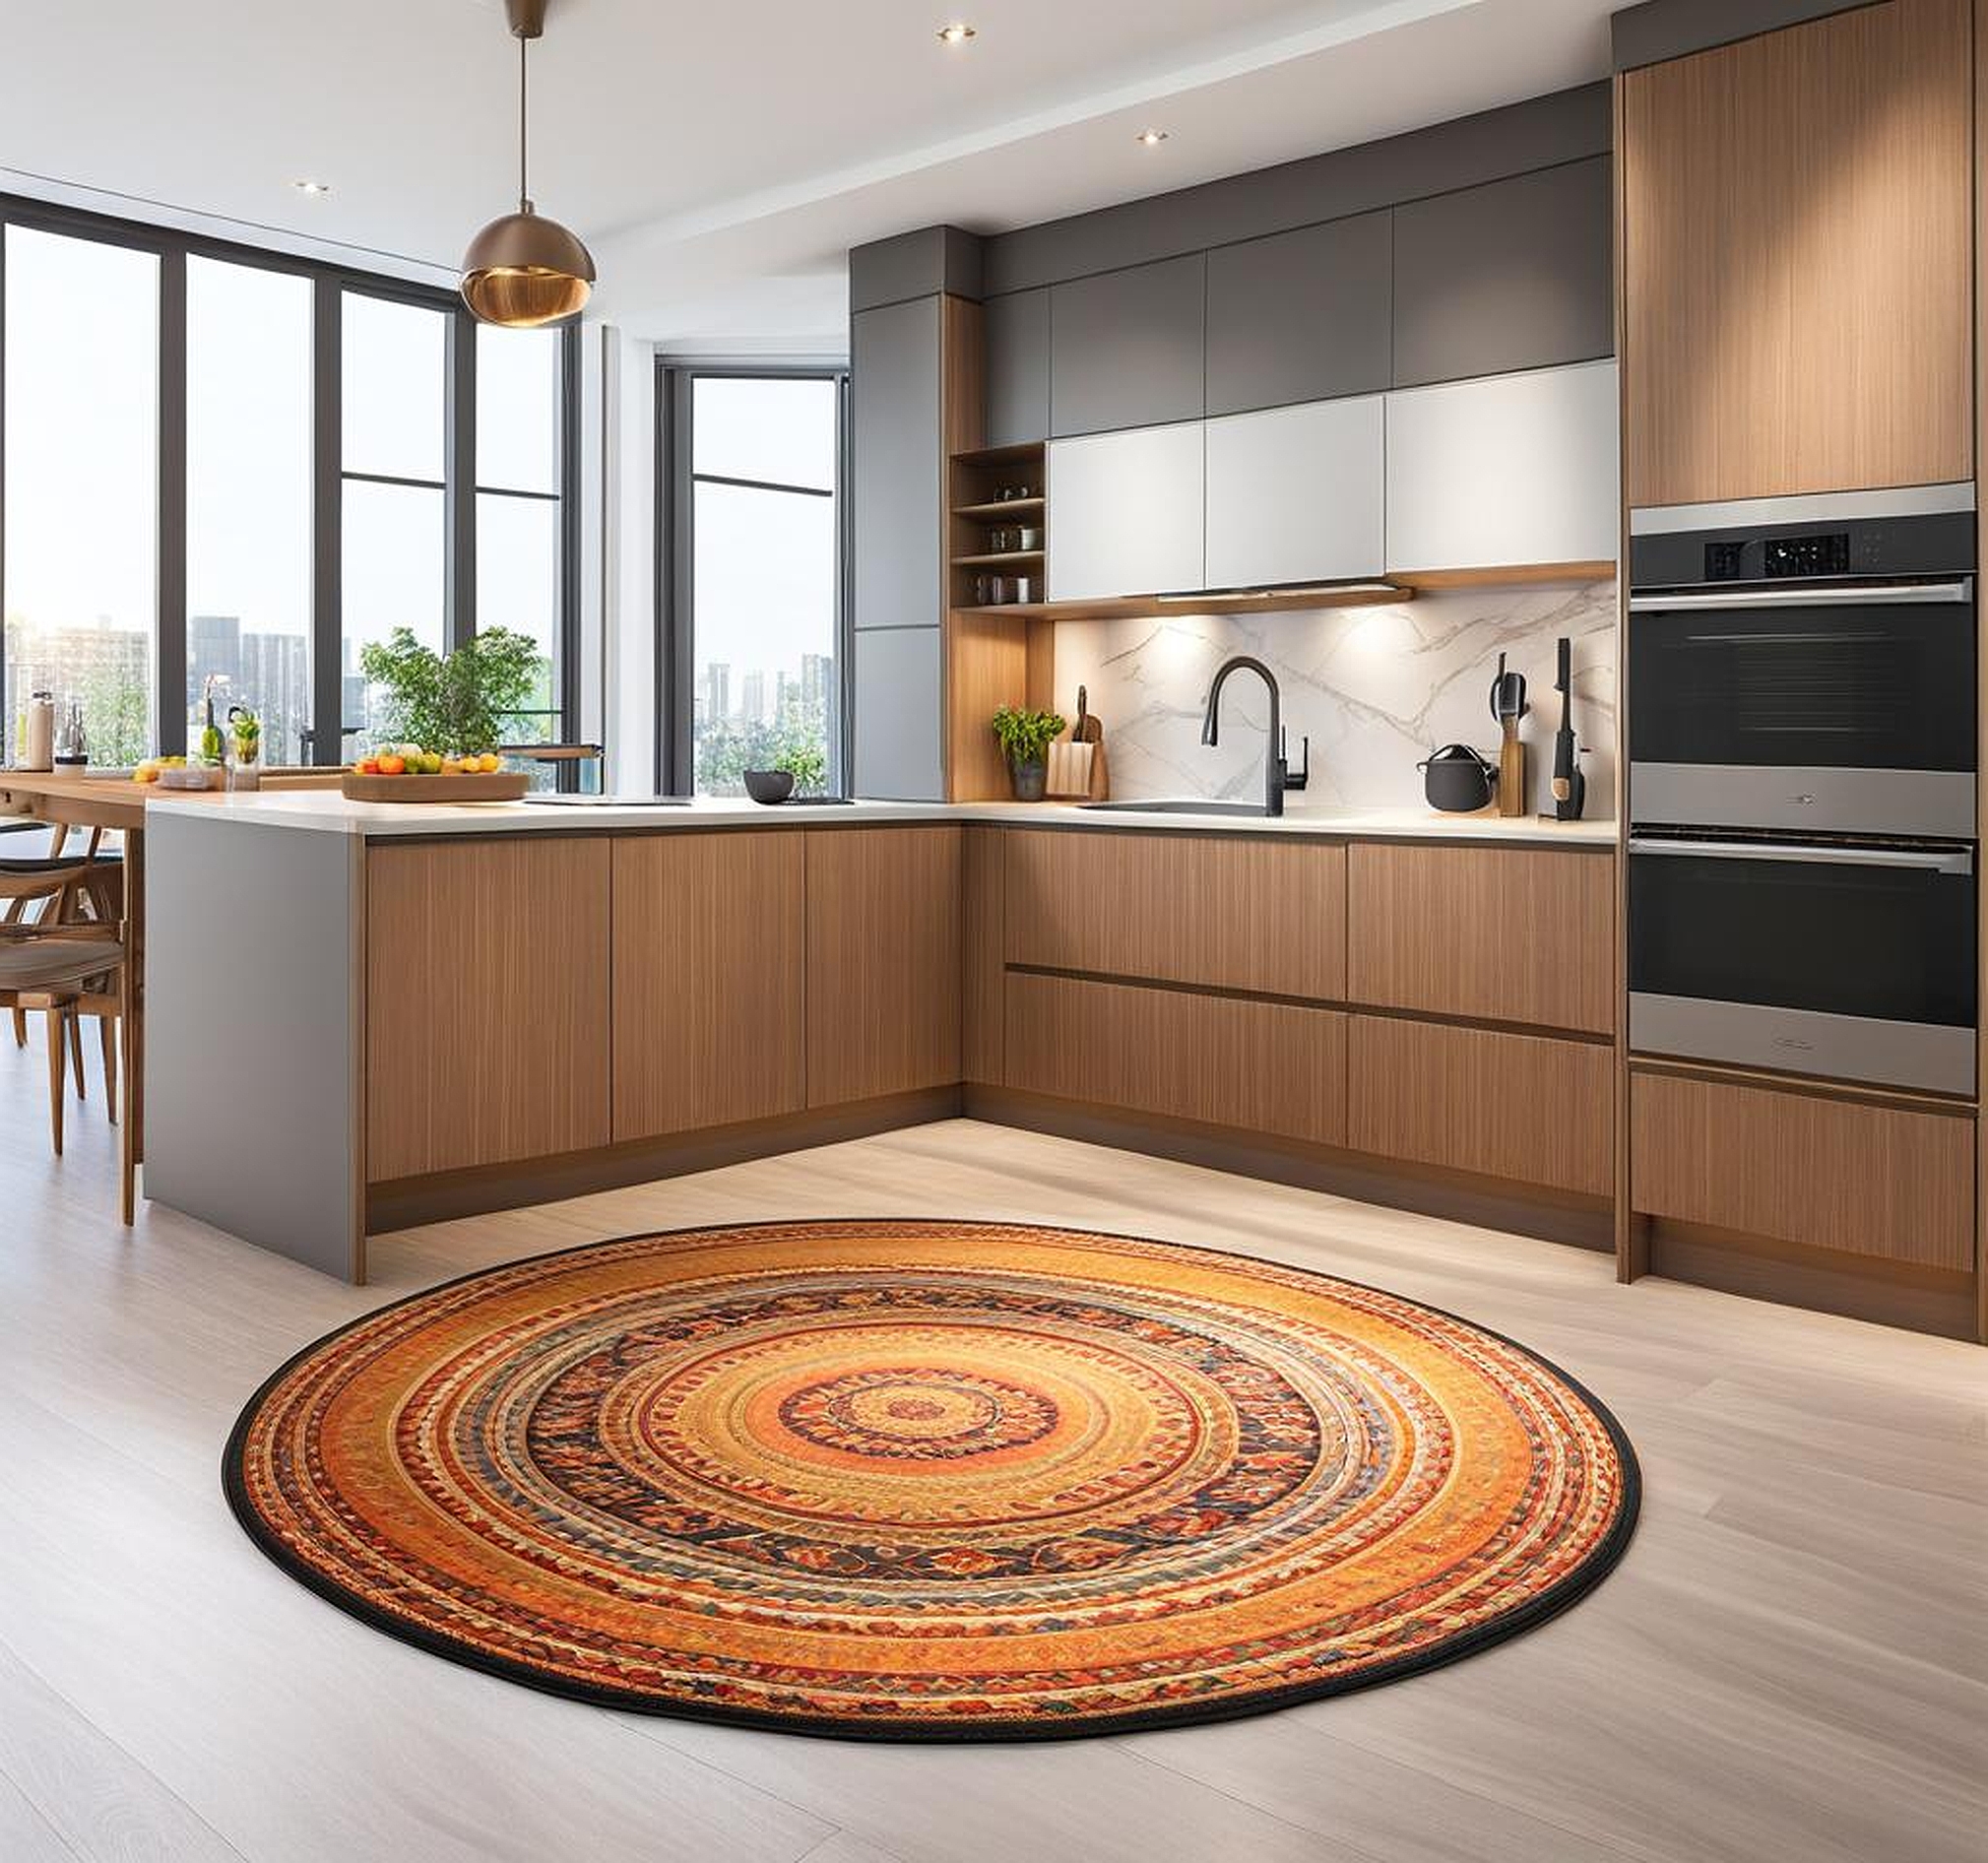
column 487, row 761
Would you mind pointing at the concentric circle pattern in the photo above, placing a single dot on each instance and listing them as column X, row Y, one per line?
column 931, row 1480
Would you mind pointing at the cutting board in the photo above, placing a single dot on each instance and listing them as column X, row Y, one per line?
column 1076, row 765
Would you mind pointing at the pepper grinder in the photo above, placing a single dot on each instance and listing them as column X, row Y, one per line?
column 1509, row 706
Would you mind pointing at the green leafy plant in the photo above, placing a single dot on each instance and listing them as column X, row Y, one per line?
column 454, row 703
column 1024, row 736
column 807, row 764
column 246, row 728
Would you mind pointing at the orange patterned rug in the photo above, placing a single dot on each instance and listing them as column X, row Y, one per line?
column 927, row 1480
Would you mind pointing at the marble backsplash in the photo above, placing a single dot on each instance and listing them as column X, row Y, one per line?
column 1376, row 688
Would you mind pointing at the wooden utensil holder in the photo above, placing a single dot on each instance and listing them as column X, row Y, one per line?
column 1076, row 765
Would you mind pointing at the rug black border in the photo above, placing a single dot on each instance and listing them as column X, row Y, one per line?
column 1561, row 1596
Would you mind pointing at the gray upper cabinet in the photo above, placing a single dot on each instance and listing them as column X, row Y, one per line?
column 1509, row 275
column 1128, row 348
column 896, row 495
column 1018, row 368
column 1300, row 316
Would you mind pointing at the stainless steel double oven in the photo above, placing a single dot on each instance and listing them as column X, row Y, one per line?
column 1801, row 733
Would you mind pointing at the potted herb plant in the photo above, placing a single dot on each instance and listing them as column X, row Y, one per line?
column 1025, row 737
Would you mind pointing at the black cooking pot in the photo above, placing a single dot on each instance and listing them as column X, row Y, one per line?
column 1458, row 780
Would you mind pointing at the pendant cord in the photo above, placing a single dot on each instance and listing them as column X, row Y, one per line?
column 524, row 119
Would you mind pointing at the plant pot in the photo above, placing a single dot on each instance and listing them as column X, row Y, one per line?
column 769, row 786
column 1031, row 780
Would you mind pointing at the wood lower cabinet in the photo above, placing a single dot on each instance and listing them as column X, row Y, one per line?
column 1494, row 933
column 1796, row 275
column 1890, row 1183
column 710, row 947
column 1231, row 911
column 1525, row 1107
column 487, row 1002
column 1259, row 1066
column 983, row 929
column 883, row 962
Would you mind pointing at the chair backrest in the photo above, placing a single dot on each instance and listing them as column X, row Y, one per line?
column 28, row 884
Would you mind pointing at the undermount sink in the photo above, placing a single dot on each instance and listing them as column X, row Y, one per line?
column 1194, row 807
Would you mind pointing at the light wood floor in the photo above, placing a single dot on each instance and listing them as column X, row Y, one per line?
column 1792, row 1662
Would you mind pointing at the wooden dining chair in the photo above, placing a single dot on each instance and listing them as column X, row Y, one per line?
column 91, row 894
column 64, row 970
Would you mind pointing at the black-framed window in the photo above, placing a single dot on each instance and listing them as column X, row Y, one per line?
column 752, row 608
column 220, row 460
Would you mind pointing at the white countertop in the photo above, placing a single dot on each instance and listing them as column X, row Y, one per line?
column 329, row 811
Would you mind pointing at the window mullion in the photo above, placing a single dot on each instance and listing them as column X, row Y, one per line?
column 326, row 524
column 460, row 470
column 169, row 641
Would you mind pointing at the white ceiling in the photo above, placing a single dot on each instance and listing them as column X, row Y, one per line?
column 720, row 159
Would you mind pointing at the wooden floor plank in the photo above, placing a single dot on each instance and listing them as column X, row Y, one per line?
column 1790, row 1663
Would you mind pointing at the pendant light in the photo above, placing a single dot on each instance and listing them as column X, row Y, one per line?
column 524, row 271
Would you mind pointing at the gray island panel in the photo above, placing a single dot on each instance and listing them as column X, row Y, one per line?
column 253, row 1035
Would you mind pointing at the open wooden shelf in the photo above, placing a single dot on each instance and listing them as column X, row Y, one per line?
column 1504, row 575
column 1149, row 608
column 999, row 510
column 1001, row 560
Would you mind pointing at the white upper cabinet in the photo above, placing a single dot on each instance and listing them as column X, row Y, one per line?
column 1295, row 494
column 1126, row 513
column 1507, row 469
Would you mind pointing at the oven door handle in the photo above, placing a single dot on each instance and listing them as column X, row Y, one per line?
column 1859, row 594
column 1959, row 860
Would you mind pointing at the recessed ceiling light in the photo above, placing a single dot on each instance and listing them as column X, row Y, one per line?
column 311, row 187
column 1152, row 138
column 956, row 32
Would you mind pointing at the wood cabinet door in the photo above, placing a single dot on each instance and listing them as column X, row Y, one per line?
column 710, row 968
column 1296, row 494
column 1885, row 1182
column 1126, row 513
column 1797, row 260
column 1275, row 1067
column 1231, row 911
column 1498, row 934
column 1514, row 469
column 1525, row 1108
column 883, row 961
column 487, row 1002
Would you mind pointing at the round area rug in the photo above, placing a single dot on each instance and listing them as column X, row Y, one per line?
column 928, row 1480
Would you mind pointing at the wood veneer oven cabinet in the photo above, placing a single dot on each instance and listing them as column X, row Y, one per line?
column 1797, row 260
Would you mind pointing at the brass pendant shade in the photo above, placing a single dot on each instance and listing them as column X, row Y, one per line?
column 523, row 271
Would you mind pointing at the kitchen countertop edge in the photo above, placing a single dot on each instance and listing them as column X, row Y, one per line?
column 328, row 812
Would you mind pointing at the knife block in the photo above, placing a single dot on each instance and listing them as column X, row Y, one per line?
column 1511, row 793
column 1076, row 765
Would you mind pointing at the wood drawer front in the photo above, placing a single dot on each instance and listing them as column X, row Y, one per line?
column 710, row 963
column 487, row 1002
column 883, row 962
column 1520, row 1106
column 1829, row 1174
column 1232, row 912
column 1499, row 933
column 1257, row 1066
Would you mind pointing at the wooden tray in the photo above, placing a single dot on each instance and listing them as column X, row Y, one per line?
column 499, row 785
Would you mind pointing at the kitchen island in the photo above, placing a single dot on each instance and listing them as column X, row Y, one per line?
column 365, row 1015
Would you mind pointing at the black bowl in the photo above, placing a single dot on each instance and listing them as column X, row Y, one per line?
column 769, row 786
